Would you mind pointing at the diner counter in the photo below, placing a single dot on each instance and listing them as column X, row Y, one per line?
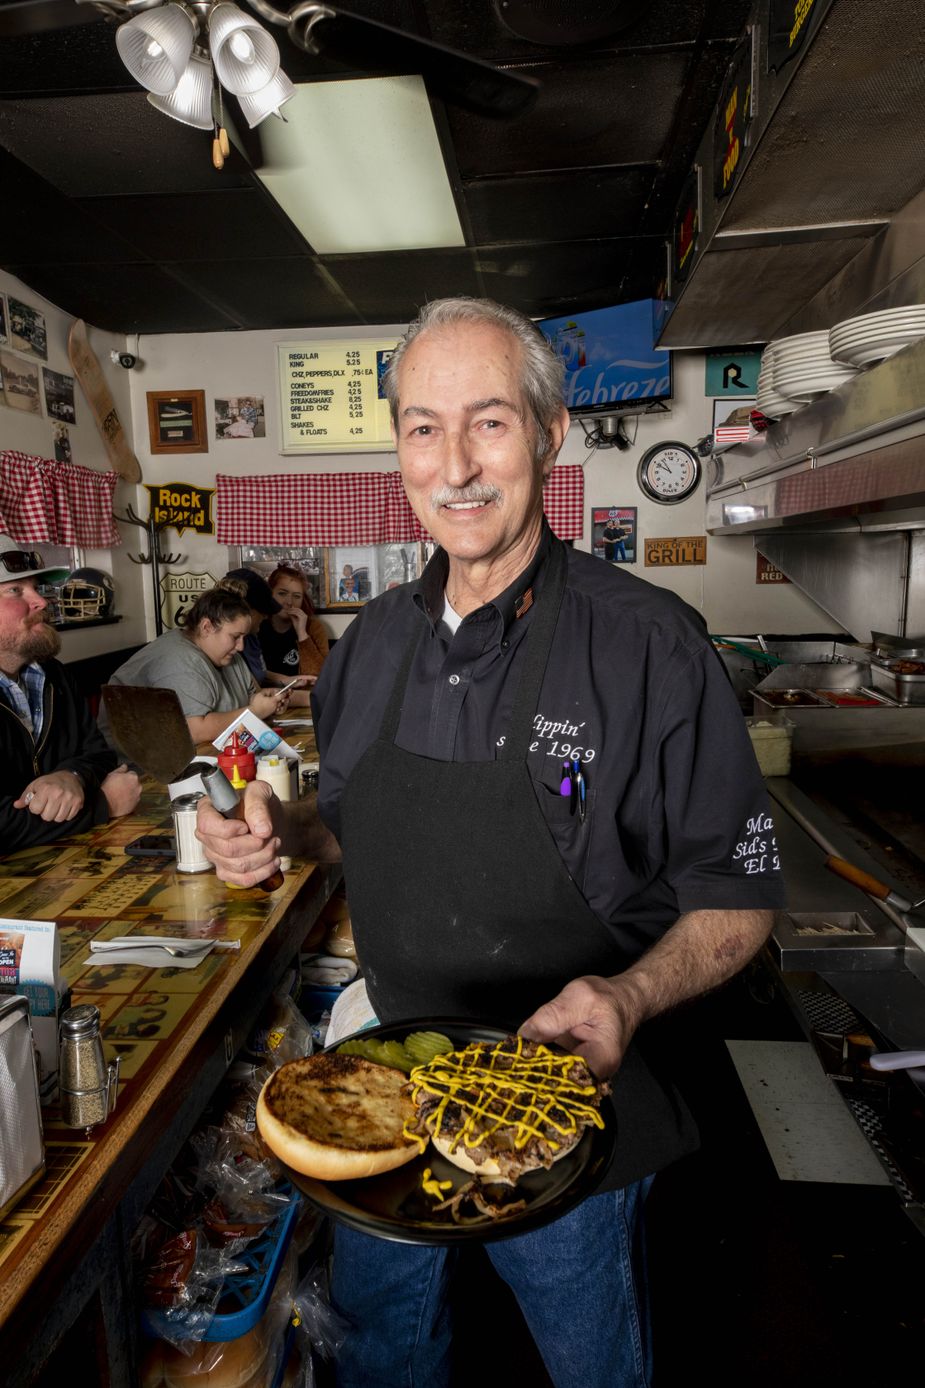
column 65, row 1245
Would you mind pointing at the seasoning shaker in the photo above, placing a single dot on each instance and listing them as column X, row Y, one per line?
column 190, row 852
column 88, row 1086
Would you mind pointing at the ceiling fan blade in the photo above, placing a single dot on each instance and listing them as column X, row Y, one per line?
column 378, row 48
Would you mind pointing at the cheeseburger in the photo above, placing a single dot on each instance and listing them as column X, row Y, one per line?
column 500, row 1109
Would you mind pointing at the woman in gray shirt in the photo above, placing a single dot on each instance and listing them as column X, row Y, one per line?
column 202, row 661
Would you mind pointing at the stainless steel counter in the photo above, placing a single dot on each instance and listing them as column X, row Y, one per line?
column 850, row 999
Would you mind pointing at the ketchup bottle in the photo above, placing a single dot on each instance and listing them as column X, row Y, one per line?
column 234, row 755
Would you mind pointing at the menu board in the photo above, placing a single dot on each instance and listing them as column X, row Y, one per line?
column 331, row 397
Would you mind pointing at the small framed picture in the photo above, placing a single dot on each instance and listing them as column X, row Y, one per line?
column 240, row 417
column 613, row 530
column 3, row 328
column 27, row 329
column 350, row 575
column 177, row 421
column 59, row 396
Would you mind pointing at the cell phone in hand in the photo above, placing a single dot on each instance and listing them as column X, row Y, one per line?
column 152, row 846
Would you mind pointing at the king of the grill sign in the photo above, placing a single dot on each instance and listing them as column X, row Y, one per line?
column 181, row 506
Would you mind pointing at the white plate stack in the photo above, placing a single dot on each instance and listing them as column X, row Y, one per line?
column 767, row 400
column 802, row 368
column 875, row 336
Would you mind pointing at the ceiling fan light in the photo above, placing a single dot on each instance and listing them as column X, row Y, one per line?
column 245, row 56
column 191, row 99
column 258, row 105
column 156, row 46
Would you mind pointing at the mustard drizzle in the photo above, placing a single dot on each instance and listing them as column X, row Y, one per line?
column 521, row 1096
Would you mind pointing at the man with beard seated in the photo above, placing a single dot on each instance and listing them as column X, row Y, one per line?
column 60, row 777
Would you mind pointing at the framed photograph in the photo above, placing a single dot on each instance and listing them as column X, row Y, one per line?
column 240, row 417
column 27, row 330
column 614, row 533
column 373, row 569
column 59, row 396
column 350, row 576
column 20, row 384
column 177, row 421
column 3, row 321
column 63, row 450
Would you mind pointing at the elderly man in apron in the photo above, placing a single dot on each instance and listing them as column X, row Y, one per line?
column 445, row 718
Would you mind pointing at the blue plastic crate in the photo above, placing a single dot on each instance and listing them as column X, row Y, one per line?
column 251, row 1288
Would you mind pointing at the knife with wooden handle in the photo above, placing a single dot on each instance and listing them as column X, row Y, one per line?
column 871, row 885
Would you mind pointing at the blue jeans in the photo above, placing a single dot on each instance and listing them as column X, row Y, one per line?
column 580, row 1282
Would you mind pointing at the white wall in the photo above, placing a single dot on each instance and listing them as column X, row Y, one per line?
column 34, row 434
column 228, row 364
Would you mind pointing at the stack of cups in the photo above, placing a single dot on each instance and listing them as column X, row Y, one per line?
column 275, row 771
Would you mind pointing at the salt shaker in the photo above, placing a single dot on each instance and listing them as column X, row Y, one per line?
column 88, row 1086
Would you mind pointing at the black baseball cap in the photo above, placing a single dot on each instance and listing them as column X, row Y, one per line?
column 258, row 595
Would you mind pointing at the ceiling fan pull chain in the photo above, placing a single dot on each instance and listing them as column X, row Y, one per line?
column 219, row 135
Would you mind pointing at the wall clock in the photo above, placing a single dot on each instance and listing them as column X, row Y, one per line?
column 668, row 472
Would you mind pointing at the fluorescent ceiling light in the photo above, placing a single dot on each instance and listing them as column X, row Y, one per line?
column 357, row 167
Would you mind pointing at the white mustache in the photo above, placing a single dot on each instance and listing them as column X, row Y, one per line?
column 475, row 491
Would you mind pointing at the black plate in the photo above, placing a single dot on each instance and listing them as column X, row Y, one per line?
column 393, row 1206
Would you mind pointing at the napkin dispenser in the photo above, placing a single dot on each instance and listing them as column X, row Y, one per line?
column 22, row 1149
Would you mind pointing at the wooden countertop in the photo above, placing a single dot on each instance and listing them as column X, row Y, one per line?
column 175, row 1029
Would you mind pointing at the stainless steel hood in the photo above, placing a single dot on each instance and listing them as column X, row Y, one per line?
column 857, row 452
column 835, row 496
column 835, row 150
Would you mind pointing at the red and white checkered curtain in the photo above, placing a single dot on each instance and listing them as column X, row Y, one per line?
column 46, row 502
column 353, row 508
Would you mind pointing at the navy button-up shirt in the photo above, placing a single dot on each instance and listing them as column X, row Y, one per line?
column 677, row 815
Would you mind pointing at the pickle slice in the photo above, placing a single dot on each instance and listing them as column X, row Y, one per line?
column 423, row 1046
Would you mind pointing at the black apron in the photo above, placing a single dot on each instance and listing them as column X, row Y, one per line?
column 462, row 906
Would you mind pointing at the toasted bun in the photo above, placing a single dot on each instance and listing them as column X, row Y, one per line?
column 336, row 1117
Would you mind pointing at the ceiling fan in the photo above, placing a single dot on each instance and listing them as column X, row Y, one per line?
column 320, row 29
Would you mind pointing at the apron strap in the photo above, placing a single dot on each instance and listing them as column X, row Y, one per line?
column 389, row 729
column 536, row 658
column 537, row 653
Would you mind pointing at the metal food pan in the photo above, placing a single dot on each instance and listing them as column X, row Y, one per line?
column 787, row 698
column 905, row 689
column 835, row 942
column 897, row 647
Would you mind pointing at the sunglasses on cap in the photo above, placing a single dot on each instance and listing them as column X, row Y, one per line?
column 20, row 561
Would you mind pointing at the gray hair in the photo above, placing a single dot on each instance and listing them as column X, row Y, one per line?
column 542, row 372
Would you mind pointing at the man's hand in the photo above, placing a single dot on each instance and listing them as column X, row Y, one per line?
column 592, row 1017
column 244, row 851
column 122, row 790
column 56, row 797
column 597, row 1017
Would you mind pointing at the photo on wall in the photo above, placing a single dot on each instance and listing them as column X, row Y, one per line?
column 4, row 330
column 350, row 575
column 27, row 329
column 63, row 451
column 59, row 396
column 614, row 533
column 240, row 417
column 20, row 384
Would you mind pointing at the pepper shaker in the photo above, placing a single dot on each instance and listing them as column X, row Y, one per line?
column 88, row 1086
